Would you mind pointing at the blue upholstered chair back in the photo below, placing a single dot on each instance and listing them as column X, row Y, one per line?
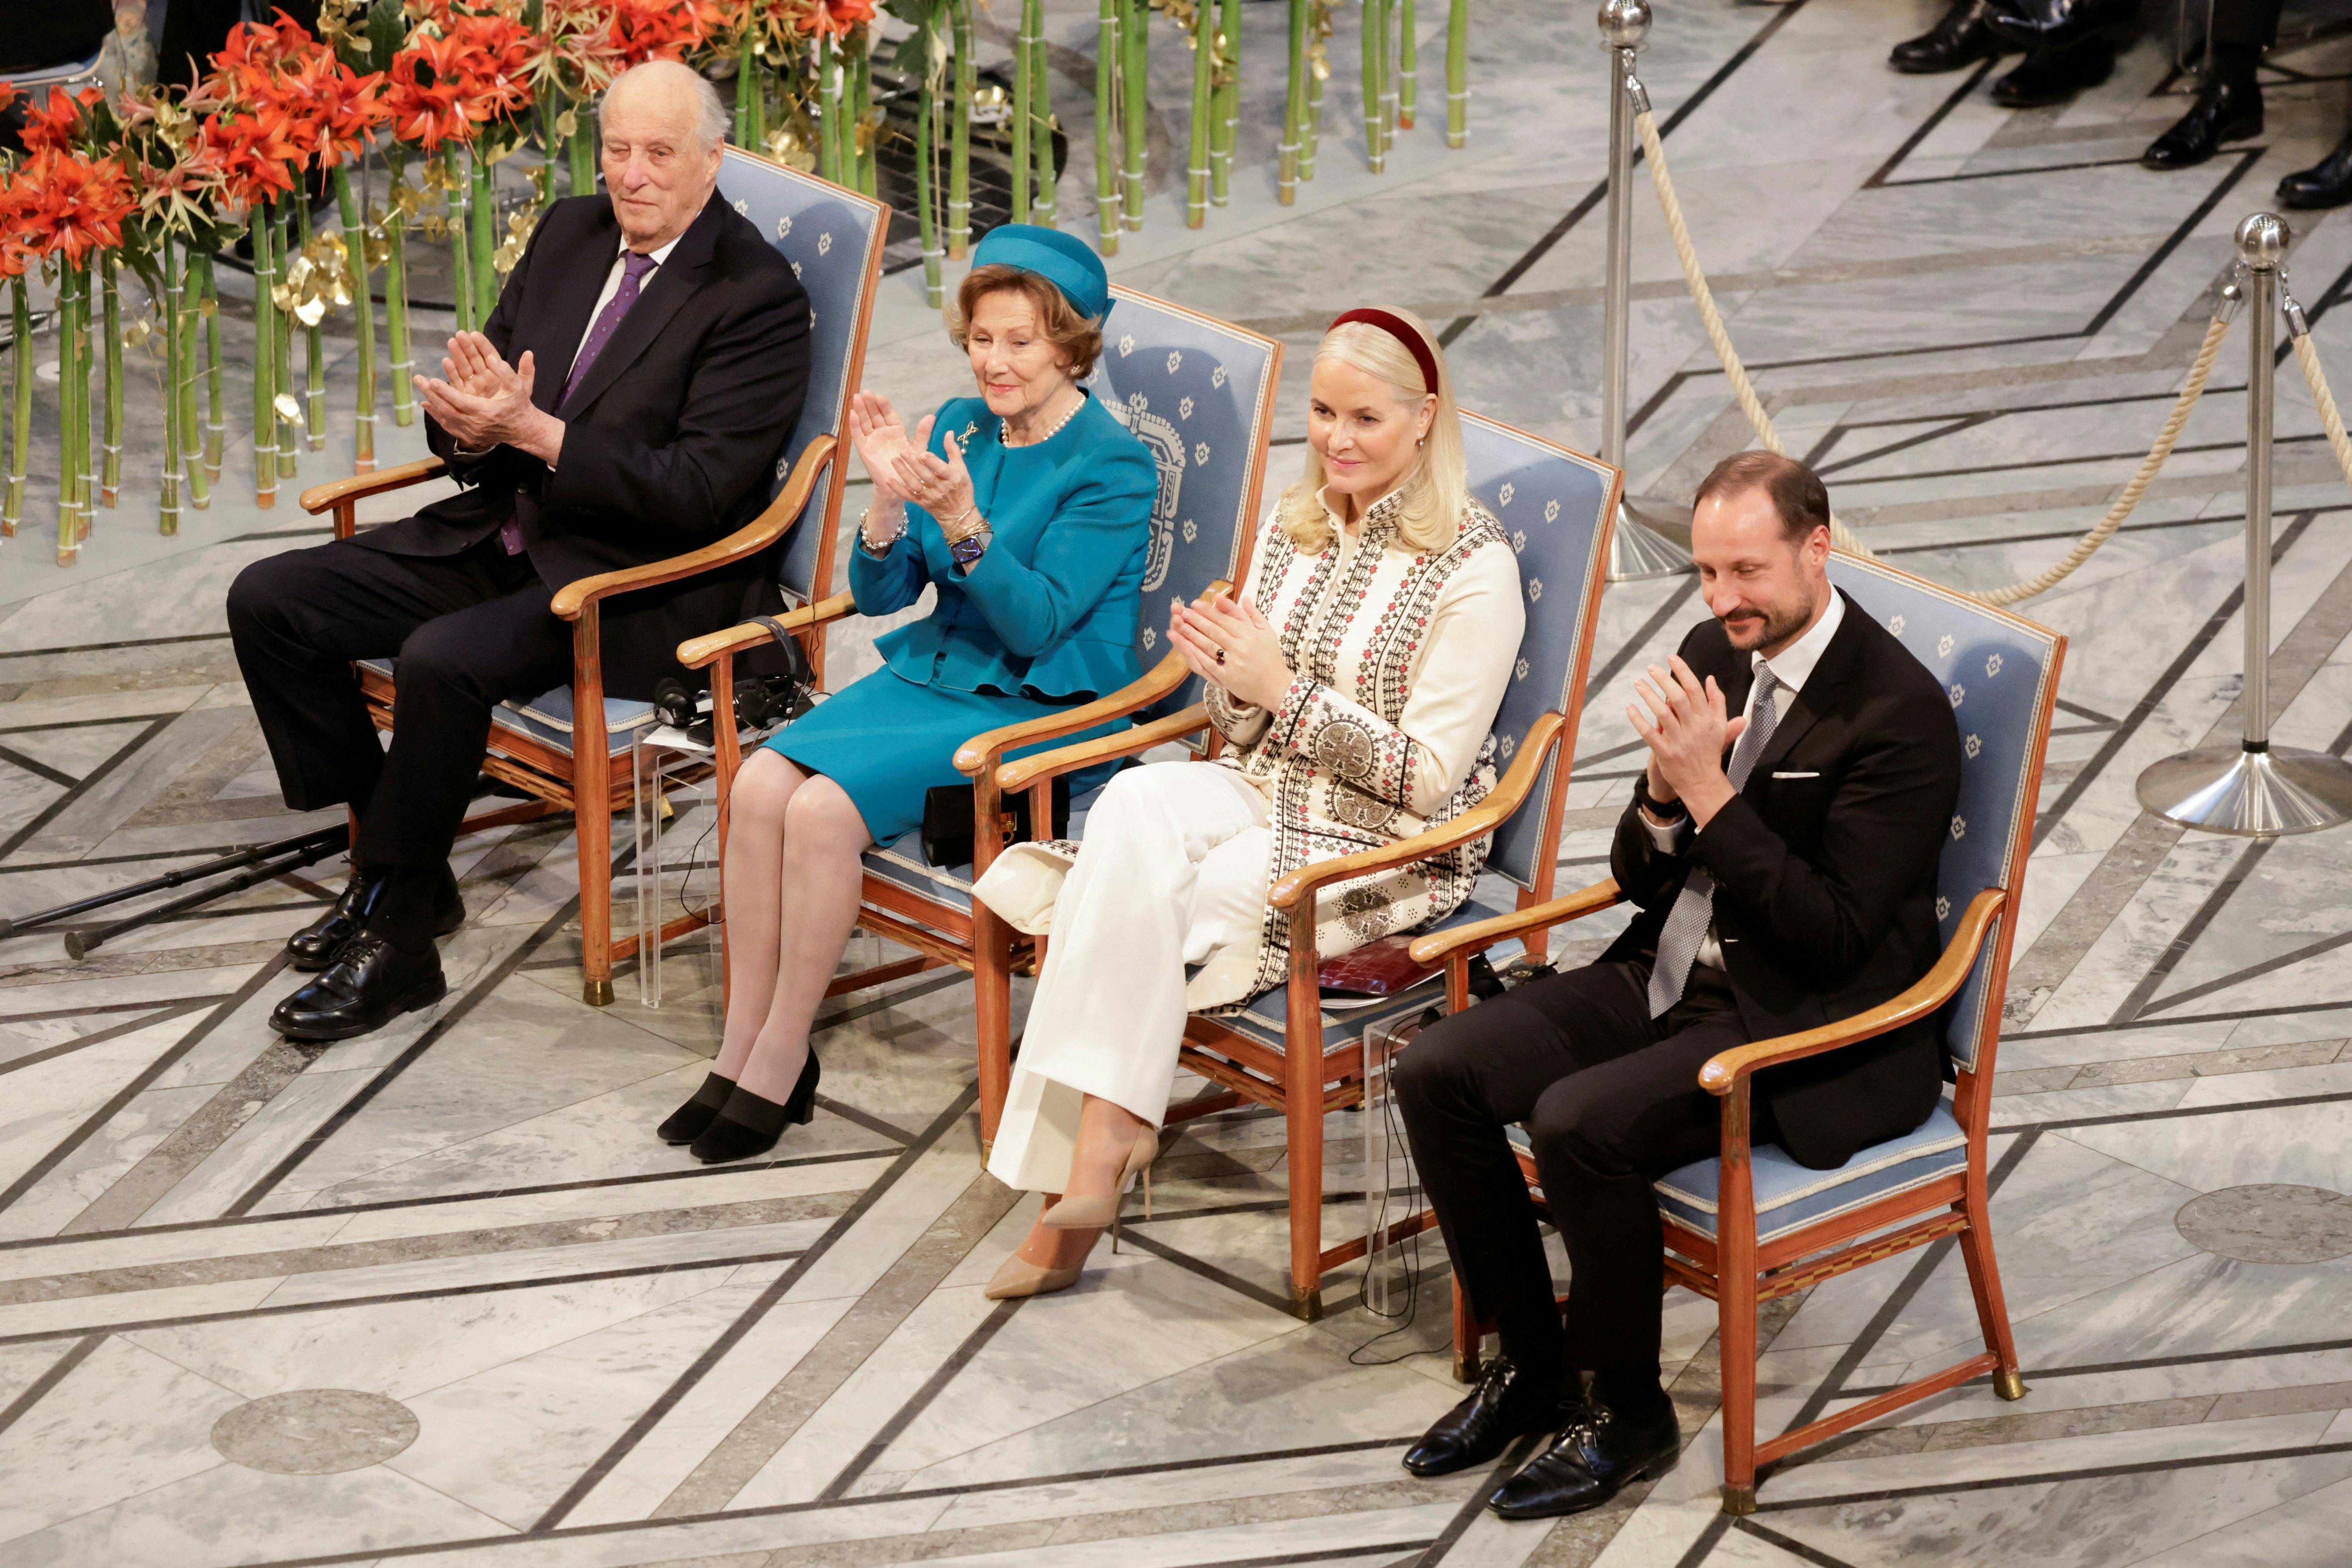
column 1558, row 507
column 833, row 239
column 1200, row 393
column 2001, row 672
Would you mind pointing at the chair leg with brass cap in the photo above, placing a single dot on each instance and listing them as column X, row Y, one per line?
column 2009, row 1384
column 1738, row 1501
column 597, row 993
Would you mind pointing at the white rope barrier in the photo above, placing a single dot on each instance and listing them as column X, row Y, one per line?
column 1744, row 391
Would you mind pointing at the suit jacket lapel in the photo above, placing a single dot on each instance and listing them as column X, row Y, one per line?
column 674, row 282
column 575, row 290
column 1837, row 665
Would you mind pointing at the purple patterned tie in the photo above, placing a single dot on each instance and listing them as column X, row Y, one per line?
column 634, row 268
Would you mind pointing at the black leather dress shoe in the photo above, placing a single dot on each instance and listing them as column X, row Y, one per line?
column 2227, row 108
column 370, row 983
column 2054, row 76
column 1595, row 1458
column 314, row 947
column 1960, row 39
column 1506, row 1406
column 2327, row 184
column 2039, row 25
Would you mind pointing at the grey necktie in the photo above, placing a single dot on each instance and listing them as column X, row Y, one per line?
column 1686, row 922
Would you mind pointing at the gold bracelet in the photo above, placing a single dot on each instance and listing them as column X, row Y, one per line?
column 948, row 528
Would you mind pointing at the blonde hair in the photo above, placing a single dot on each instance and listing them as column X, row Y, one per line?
column 1436, row 489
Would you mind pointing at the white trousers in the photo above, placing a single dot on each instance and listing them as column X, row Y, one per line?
column 1171, row 867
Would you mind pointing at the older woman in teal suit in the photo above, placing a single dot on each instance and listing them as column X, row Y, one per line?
column 1028, row 508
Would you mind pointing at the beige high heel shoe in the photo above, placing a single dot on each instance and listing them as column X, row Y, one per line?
column 1019, row 1277
column 1094, row 1214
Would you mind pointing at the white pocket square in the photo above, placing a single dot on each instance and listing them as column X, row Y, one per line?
column 1799, row 775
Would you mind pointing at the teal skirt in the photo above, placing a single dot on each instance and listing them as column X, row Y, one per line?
column 886, row 741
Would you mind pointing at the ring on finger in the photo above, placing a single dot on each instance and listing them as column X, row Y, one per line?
column 1221, row 656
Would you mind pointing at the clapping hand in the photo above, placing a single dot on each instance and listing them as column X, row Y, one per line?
column 482, row 402
column 1687, row 728
column 1228, row 643
column 941, row 486
column 880, row 437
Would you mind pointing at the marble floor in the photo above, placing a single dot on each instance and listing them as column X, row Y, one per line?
column 438, row 1297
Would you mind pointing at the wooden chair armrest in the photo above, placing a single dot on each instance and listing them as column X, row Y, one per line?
column 695, row 653
column 359, row 487
column 979, row 754
column 1726, row 1068
column 1478, row 821
column 1014, row 777
column 1440, row 946
column 749, row 539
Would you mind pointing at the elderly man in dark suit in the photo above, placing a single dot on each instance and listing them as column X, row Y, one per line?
column 625, row 401
column 1781, row 846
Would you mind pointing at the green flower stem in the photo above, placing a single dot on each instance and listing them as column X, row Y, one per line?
column 1293, row 108
column 863, row 153
column 828, row 109
column 1107, row 63
column 960, row 134
column 395, row 305
column 1408, row 58
column 346, row 208
column 1196, row 171
column 110, row 386
column 1136, row 86
column 215, row 398
column 747, row 92
column 1041, row 129
column 68, row 445
column 167, row 509
column 1457, row 74
column 314, row 366
column 281, row 330
column 264, row 365
column 926, row 189
column 20, row 419
column 1374, row 35
column 1225, row 125
column 1025, row 110
column 581, row 150
column 461, row 264
column 483, row 214
column 1310, row 136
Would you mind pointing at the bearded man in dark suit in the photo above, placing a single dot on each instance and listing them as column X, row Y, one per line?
column 1781, row 848
column 625, row 401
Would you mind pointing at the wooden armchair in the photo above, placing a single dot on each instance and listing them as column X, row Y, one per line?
column 568, row 748
column 1752, row 1224
column 1284, row 1051
column 1200, row 393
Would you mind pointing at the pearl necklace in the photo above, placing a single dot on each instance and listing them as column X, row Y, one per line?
column 1004, row 428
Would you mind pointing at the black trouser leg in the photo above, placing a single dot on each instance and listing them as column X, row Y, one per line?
column 2245, row 24
column 298, row 619
column 452, row 670
column 1611, row 1098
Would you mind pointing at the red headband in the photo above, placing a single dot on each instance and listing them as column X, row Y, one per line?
column 1401, row 330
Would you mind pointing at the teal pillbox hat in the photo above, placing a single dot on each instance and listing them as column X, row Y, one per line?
column 1063, row 260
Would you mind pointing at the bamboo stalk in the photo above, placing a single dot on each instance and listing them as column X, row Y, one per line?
column 482, row 212
column 215, row 399
column 581, row 148
column 111, row 387
column 264, row 367
column 1311, row 131
column 68, row 448
column 1375, row 27
column 1408, row 58
column 927, row 183
column 347, row 209
column 746, row 91
column 1196, row 168
column 1107, row 60
column 1293, row 110
column 1389, row 9
column 1041, row 130
column 1135, row 86
column 1457, row 74
column 314, row 358
column 282, row 328
column 828, row 104
column 395, row 303
column 960, row 134
column 1017, row 164
column 1225, row 130
column 457, row 198
column 167, row 507
column 20, row 304
column 863, row 134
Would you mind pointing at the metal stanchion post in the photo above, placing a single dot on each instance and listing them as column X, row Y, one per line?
column 2254, row 790
column 1638, row 549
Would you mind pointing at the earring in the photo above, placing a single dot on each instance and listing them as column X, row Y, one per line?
column 1423, row 442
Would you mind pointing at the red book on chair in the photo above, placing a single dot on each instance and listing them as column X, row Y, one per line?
column 1377, row 969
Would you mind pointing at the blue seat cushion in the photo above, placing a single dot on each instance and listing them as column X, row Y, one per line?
column 1790, row 1197
column 546, row 718
column 902, row 864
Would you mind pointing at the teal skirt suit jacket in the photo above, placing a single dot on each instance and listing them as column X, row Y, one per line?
column 1044, row 620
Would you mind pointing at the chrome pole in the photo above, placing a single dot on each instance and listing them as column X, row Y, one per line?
column 1637, row 549
column 2256, row 790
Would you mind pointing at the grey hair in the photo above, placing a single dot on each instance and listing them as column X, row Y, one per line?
column 712, row 122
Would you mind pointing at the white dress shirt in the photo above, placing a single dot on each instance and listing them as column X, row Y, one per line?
column 1791, row 667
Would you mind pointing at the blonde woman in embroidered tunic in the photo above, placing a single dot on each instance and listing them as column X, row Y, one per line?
column 1355, row 679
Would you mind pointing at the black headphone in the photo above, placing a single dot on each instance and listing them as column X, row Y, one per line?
column 763, row 702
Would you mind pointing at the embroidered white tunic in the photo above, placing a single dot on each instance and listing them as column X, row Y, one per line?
column 1402, row 661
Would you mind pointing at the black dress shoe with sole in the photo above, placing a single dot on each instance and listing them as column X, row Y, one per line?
column 2048, row 77
column 2327, row 184
column 693, row 1119
column 1506, row 1406
column 2226, row 109
column 750, row 1124
column 1960, row 40
column 1597, row 1458
column 370, row 983
column 314, row 947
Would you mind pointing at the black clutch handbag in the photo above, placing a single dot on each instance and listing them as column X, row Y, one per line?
column 946, row 821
